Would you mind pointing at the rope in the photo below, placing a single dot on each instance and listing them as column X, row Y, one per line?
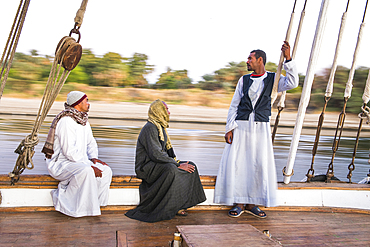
column 281, row 60
column 336, row 140
column 80, row 13
column 366, row 94
column 281, row 103
column 329, row 90
column 365, row 114
column 12, row 43
column 67, row 55
column 53, row 87
column 347, row 92
column 342, row 115
column 351, row 166
column 311, row 172
column 329, row 87
column 307, row 85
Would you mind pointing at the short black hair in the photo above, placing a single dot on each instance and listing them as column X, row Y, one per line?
column 259, row 53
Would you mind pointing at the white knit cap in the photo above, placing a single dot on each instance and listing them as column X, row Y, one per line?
column 75, row 97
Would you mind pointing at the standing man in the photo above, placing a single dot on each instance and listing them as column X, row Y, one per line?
column 72, row 158
column 247, row 176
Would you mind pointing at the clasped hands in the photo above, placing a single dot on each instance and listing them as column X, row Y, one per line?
column 187, row 167
column 97, row 171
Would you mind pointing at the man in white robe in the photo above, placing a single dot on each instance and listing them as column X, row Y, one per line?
column 247, row 173
column 72, row 158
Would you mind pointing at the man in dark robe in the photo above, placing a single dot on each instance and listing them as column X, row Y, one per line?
column 169, row 186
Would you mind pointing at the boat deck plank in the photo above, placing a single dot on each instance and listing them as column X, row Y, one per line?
column 288, row 228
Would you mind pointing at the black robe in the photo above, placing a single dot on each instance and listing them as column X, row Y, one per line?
column 165, row 189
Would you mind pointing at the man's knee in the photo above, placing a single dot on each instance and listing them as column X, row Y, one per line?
column 107, row 171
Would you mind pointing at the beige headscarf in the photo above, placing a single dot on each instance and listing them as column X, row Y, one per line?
column 158, row 116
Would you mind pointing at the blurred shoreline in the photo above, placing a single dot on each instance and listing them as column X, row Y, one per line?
column 182, row 116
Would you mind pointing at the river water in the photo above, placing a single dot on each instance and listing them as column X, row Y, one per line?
column 117, row 141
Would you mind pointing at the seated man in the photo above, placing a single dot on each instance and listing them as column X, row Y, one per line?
column 72, row 158
column 169, row 186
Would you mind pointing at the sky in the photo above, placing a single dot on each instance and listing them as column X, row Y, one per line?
column 200, row 36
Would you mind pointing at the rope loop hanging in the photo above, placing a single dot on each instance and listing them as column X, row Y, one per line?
column 12, row 43
column 67, row 56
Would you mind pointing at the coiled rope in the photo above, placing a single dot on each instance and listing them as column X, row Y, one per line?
column 67, row 56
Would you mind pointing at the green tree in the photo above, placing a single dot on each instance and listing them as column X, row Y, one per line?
column 231, row 73
column 89, row 64
column 209, row 83
column 112, row 71
column 138, row 68
column 336, row 101
column 173, row 79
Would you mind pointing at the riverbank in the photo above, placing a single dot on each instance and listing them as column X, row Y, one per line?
column 182, row 115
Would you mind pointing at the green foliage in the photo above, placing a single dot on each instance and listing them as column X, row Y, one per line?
column 224, row 77
column 174, row 79
column 336, row 101
column 29, row 73
column 138, row 67
column 78, row 75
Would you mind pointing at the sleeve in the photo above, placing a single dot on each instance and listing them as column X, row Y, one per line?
column 153, row 147
column 231, row 115
column 291, row 79
column 92, row 146
column 67, row 136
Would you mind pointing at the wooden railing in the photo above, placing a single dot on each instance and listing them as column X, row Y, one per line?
column 120, row 181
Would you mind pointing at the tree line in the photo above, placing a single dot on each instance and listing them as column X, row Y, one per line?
column 113, row 70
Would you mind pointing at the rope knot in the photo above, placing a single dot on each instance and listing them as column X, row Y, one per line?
column 365, row 114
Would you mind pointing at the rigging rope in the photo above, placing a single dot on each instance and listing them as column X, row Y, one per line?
column 281, row 103
column 363, row 115
column 67, row 55
column 347, row 95
column 329, row 90
column 12, row 43
column 281, row 61
column 80, row 13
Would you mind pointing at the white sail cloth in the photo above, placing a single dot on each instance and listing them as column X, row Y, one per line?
column 79, row 192
column 247, row 173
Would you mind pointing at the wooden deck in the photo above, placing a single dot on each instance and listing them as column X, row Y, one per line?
column 289, row 228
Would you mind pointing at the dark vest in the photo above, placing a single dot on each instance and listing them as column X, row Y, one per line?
column 262, row 109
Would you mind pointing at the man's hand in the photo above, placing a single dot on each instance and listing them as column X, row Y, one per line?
column 229, row 137
column 286, row 50
column 187, row 167
column 97, row 171
column 94, row 160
